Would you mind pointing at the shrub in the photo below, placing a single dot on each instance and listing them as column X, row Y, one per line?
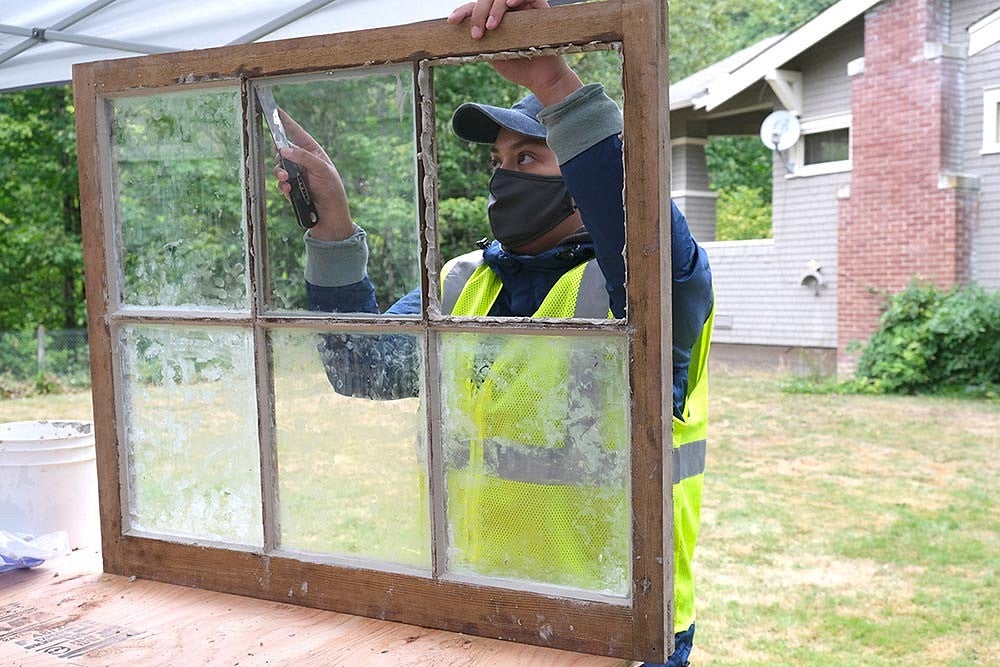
column 741, row 214
column 931, row 341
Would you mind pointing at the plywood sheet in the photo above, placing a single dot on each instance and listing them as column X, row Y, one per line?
column 67, row 612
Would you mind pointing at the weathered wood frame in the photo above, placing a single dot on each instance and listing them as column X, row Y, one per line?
column 638, row 627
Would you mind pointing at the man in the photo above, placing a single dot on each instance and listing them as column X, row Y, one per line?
column 555, row 205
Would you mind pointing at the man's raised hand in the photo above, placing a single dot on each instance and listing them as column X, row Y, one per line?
column 488, row 14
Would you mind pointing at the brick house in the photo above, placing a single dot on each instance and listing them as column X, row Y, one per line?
column 896, row 173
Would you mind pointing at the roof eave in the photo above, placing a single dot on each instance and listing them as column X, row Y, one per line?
column 824, row 24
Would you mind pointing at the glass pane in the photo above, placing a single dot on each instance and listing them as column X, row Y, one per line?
column 829, row 146
column 191, row 444
column 529, row 231
column 365, row 124
column 535, row 438
column 180, row 199
column 351, row 470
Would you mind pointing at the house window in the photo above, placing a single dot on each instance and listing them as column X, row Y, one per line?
column 991, row 120
column 822, row 147
column 825, row 147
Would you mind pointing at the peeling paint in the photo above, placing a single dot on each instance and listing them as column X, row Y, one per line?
column 191, row 77
column 426, row 156
column 531, row 52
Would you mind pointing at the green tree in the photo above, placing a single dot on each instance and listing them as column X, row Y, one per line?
column 742, row 214
column 41, row 258
column 702, row 33
column 740, row 169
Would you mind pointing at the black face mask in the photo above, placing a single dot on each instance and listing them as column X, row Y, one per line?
column 524, row 207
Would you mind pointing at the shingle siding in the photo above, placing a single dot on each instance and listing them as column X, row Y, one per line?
column 700, row 212
column 688, row 170
column 826, row 89
column 758, row 283
column 982, row 71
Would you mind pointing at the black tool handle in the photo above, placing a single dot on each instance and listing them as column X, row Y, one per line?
column 302, row 202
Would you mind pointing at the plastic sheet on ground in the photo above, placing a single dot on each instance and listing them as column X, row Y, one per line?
column 18, row 550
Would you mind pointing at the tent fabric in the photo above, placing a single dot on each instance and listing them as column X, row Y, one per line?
column 124, row 28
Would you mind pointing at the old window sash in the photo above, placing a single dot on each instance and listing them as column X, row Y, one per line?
column 638, row 626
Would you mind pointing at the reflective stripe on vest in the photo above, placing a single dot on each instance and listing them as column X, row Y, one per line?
column 592, row 301
column 567, row 465
column 543, row 465
column 456, row 274
column 689, row 460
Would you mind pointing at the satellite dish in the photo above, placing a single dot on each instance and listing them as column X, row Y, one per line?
column 780, row 130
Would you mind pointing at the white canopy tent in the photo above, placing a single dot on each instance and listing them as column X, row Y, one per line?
column 41, row 39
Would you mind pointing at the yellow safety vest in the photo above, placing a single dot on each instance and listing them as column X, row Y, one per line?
column 525, row 497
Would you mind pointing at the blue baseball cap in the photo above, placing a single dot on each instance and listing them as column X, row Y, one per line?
column 481, row 123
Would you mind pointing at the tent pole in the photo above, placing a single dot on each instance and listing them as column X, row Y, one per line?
column 44, row 35
column 58, row 25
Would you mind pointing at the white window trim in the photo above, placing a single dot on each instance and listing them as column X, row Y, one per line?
column 991, row 109
column 813, row 126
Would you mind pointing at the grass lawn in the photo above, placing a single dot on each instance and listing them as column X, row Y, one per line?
column 848, row 530
column 837, row 530
column 55, row 406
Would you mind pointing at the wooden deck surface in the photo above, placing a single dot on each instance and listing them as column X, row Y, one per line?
column 67, row 612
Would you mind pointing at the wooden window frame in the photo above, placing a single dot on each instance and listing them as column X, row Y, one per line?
column 639, row 626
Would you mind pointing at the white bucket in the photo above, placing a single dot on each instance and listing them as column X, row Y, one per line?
column 48, row 480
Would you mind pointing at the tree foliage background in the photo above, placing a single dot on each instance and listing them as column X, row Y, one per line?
column 41, row 258
column 41, row 263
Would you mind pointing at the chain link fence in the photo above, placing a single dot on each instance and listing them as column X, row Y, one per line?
column 61, row 357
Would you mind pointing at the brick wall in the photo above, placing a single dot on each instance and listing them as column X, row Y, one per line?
column 897, row 223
